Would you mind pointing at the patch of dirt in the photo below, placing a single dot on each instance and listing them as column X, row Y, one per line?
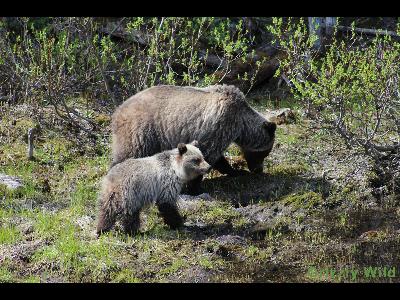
column 20, row 252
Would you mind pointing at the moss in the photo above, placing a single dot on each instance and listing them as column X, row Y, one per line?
column 220, row 213
column 3, row 190
column 9, row 234
column 288, row 169
column 102, row 119
column 31, row 279
column 287, row 137
column 176, row 265
column 126, row 276
column 257, row 253
column 234, row 150
column 208, row 263
column 22, row 126
column 6, row 275
column 306, row 200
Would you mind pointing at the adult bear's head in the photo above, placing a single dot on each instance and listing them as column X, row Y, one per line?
column 259, row 143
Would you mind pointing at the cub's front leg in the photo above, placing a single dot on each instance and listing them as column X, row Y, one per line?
column 170, row 214
column 131, row 223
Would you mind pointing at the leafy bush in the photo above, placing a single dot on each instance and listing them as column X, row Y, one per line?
column 56, row 61
column 352, row 89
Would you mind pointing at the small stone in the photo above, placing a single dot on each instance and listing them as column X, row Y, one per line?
column 11, row 182
column 84, row 222
column 197, row 224
column 26, row 228
column 231, row 240
column 369, row 234
column 204, row 196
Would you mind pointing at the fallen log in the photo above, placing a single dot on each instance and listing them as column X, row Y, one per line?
column 369, row 31
column 259, row 74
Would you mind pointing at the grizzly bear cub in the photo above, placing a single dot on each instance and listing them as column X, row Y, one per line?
column 135, row 183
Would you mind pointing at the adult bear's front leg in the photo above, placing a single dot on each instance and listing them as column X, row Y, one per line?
column 193, row 187
column 223, row 166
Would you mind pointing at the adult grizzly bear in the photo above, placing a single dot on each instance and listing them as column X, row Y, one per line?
column 160, row 117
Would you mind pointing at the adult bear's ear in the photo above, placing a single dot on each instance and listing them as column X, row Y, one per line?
column 195, row 143
column 270, row 127
column 182, row 148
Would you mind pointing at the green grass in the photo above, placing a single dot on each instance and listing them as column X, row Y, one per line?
column 307, row 200
column 126, row 276
column 207, row 263
column 176, row 265
column 31, row 279
column 219, row 213
column 6, row 275
column 49, row 225
column 287, row 169
column 73, row 254
column 9, row 234
column 79, row 259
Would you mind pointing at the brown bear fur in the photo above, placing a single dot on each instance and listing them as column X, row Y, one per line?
column 159, row 117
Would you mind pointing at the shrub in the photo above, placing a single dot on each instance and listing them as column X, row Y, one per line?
column 351, row 89
column 56, row 61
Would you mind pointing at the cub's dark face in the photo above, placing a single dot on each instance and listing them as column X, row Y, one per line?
column 192, row 161
column 261, row 148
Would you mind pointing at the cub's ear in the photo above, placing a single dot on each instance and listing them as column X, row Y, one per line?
column 182, row 148
column 269, row 126
column 195, row 143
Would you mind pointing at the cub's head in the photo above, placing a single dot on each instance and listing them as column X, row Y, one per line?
column 190, row 161
column 260, row 147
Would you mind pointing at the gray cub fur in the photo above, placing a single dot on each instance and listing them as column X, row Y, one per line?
column 135, row 183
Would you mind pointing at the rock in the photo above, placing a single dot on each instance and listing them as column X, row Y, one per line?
column 198, row 224
column 195, row 274
column 228, row 246
column 204, row 196
column 84, row 222
column 12, row 182
column 226, row 240
column 190, row 203
column 257, row 213
column 26, row 228
column 20, row 252
column 371, row 234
